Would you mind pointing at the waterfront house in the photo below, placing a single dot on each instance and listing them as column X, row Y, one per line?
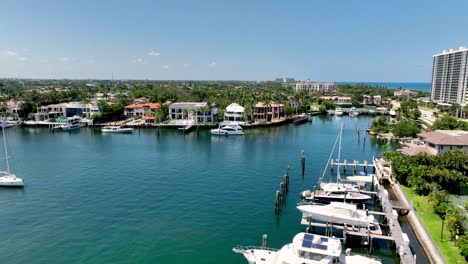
column 270, row 112
column 436, row 142
column 338, row 100
column 141, row 110
column 141, row 100
column 67, row 110
column 197, row 112
column 234, row 112
column 372, row 100
column 13, row 107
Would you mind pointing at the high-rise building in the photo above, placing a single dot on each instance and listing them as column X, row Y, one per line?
column 450, row 76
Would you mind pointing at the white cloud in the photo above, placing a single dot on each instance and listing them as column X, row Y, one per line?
column 154, row 53
column 165, row 67
column 8, row 53
column 22, row 58
column 212, row 64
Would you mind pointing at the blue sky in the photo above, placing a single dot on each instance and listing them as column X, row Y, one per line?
column 230, row 40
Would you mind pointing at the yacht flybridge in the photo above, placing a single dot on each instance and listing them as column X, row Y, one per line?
column 305, row 248
column 8, row 179
column 341, row 213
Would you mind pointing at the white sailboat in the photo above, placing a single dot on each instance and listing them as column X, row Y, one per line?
column 8, row 179
column 336, row 191
column 305, row 248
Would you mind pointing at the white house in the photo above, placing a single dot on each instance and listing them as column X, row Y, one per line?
column 67, row 110
column 192, row 111
column 234, row 112
column 439, row 141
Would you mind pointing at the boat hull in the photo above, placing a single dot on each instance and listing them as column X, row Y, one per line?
column 226, row 133
column 120, row 131
column 8, row 181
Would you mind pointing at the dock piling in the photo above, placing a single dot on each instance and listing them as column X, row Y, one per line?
column 302, row 162
column 345, row 165
column 264, row 241
column 277, row 203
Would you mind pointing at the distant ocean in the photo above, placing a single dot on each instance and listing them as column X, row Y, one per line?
column 425, row 87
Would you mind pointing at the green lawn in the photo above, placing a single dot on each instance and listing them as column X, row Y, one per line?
column 433, row 224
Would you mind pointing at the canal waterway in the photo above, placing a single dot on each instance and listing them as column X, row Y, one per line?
column 167, row 198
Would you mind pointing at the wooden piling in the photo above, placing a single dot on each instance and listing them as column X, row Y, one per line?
column 345, row 165
column 365, row 166
column 355, row 166
column 277, row 203
column 264, row 241
column 288, row 171
column 282, row 192
column 286, row 183
column 303, row 162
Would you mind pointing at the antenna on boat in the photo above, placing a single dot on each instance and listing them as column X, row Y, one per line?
column 5, row 147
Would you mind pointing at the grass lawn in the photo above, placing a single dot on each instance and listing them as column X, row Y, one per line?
column 433, row 224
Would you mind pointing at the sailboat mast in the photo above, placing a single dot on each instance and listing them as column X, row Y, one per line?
column 339, row 155
column 5, row 147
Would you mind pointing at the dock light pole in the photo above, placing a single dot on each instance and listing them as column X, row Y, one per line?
column 442, row 230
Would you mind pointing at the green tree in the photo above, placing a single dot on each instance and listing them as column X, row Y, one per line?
column 449, row 122
column 380, row 125
column 25, row 109
column 405, row 129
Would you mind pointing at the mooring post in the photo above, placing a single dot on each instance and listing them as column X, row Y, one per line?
column 345, row 165
column 264, row 241
column 331, row 165
column 286, row 183
column 282, row 191
column 345, row 229
column 365, row 166
column 288, row 171
column 303, row 162
column 277, row 197
column 313, row 197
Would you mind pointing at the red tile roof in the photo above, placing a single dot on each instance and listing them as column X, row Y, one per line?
column 148, row 105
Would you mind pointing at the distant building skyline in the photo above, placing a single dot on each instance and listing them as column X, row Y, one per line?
column 450, row 76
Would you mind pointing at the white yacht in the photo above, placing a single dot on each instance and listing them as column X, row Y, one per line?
column 7, row 124
column 72, row 123
column 338, row 111
column 341, row 213
column 353, row 112
column 305, row 249
column 228, row 130
column 116, row 129
column 335, row 194
column 8, row 179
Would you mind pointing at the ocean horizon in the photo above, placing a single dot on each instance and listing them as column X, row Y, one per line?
column 417, row 86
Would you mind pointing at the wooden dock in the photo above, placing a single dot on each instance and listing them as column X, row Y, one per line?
column 403, row 249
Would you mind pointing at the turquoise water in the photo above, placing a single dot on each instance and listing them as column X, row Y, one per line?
column 416, row 86
column 172, row 198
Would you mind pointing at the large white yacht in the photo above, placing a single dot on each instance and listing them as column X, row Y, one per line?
column 72, row 123
column 8, row 179
column 305, row 249
column 228, row 130
column 341, row 213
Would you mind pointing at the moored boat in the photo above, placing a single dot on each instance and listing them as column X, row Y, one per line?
column 8, row 179
column 116, row 129
column 300, row 119
column 338, row 111
column 228, row 131
column 305, row 248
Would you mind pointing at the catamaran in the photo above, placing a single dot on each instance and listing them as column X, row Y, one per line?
column 305, row 248
column 8, row 179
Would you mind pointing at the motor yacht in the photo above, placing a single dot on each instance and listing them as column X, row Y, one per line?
column 341, row 213
column 116, row 129
column 353, row 112
column 338, row 111
column 335, row 193
column 228, row 130
column 72, row 123
column 305, row 248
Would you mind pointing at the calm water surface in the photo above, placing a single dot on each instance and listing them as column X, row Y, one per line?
column 172, row 198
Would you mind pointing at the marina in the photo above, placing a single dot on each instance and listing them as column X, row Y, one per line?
column 168, row 171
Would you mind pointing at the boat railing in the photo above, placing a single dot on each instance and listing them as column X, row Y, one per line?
column 242, row 249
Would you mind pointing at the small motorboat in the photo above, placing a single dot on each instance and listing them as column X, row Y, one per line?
column 116, row 129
